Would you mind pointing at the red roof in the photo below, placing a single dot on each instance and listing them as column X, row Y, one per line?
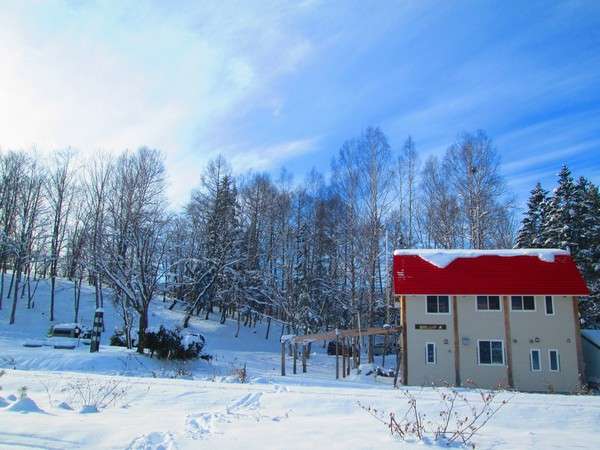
column 488, row 275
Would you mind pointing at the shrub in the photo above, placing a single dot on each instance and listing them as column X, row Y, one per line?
column 456, row 422
column 93, row 395
column 173, row 344
column 241, row 374
column 118, row 340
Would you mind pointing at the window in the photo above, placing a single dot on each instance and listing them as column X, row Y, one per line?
column 491, row 352
column 488, row 303
column 554, row 360
column 535, row 360
column 522, row 303
column 438, row 304
column 430, row 355
column 549, row 305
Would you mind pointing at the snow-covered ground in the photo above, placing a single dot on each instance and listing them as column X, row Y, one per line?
column 200, row 404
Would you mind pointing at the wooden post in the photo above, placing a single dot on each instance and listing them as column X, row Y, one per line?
column 404, row 341
column 283, row 359
column 304, row 355
column 295, row 356
column 578, row 348
column 344, row 358
column 348, row 349
column 397, row 363
column 507, row 335
column 457, row 379
column 337, row 355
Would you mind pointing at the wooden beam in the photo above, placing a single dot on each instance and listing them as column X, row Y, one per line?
column 337, row 357
column 457, row 379
column 578, row 348
column 305, row 339
column 295, row 357
column 404, row 341
column 304, row 355
column 344, row 358
column 349, row 350
column 508, row 337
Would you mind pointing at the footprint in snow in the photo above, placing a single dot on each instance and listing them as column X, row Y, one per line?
column 203, row 425
column 247, row 402
column 154, row 441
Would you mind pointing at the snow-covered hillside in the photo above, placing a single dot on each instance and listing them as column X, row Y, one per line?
column 202, row 404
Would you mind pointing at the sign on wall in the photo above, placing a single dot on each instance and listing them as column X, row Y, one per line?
column 430, row 326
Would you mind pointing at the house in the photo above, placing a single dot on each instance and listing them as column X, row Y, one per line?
column 591, row 355
column 490, row 318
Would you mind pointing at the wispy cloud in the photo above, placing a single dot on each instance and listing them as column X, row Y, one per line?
column 97, row 76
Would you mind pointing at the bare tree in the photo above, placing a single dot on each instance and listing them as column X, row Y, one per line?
column 59, row 193
column 441, row 211
column 133, row 255
column 28, row 208
column 96, row 185
column 472, row 165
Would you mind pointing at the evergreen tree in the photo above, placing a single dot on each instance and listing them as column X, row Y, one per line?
column 588, row 257
column 531, row 229
column 560, row 225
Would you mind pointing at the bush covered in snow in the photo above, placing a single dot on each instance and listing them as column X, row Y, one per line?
column 173, row 344
column 118, row 340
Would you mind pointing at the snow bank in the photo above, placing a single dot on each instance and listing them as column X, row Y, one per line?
column 442, row 258
column 25, row 405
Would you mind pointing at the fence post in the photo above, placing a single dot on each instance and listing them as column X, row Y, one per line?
column 304, row 355
column 337, row 354
column 282, row 358
column 295, row 356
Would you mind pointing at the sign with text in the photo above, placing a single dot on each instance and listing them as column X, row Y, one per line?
column 430, row 326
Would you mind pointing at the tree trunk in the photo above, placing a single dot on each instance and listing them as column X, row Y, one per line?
column 2, row 275
column 143, row 324
column 52, row 286
column 15, row 294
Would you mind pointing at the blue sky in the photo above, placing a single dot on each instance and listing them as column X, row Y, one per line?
column 269, row 83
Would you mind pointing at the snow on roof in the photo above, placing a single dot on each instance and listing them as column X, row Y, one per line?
column 442, row 258
column 592, row 336
column 66, row 326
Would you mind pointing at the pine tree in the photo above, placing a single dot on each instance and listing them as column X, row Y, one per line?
column 560, row 225
column 588, row 257
column 531, row 228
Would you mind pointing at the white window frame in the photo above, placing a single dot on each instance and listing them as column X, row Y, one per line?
column 550, row 360
column 488, row 297
column 427, row 344
column 539, row 352
column 479, row 363
column 553, row 305
column 523, row 303
column 439, row 313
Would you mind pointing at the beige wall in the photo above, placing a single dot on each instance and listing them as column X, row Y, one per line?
column 551, row 332
column 419, row 373
column 472, row 326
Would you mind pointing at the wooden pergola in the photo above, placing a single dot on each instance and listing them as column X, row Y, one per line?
column 341, row 338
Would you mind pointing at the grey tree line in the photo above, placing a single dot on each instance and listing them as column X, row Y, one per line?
column 307, row 256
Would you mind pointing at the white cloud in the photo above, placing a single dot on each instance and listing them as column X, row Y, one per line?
column 113, row 76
